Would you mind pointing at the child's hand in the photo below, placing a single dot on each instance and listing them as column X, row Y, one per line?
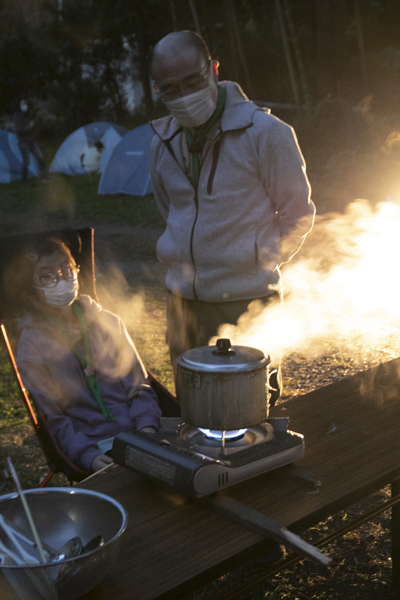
column 148, row 429
column 100, row 462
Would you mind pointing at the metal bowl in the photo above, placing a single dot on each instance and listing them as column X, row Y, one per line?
column 59, row 515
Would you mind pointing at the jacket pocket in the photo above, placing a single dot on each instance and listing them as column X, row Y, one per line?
column 225, row 255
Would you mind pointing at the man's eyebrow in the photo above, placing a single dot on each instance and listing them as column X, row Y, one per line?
column 184, row 80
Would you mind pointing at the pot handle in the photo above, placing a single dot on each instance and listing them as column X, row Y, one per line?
column 223, row 348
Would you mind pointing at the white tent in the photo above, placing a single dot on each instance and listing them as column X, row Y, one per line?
column 77, row 153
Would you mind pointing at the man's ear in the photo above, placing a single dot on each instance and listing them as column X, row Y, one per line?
column 215, row 65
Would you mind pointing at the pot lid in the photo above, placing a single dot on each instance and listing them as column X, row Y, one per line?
column 223, row 358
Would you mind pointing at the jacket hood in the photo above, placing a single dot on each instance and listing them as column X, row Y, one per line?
column 91, row 309
column 238, row 113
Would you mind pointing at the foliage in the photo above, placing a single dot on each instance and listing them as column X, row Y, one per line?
column 25, row 64
column 80, row 59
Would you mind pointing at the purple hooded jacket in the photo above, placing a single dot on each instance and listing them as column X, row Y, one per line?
column 53, row 375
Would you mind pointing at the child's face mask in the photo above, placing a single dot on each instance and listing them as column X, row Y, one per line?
column 61, row 295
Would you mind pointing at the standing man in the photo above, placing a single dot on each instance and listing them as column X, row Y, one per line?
column 230, row 181
column 24, row 126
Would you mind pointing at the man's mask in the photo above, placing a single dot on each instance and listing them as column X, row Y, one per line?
column 195, row 109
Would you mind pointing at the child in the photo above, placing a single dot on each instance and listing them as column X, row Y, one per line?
column 79, row 362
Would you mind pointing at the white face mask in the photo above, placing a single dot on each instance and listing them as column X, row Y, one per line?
column 194, row 110
column 61, row 295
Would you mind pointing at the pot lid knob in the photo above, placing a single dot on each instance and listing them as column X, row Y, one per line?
column 223, row 347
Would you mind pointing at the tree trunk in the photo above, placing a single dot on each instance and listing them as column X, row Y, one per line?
column 142, row 55
column 361, row 48
column 298, row 55
column 288, row 55
column 234, row 55
column 195, row 16
column 173, row 15
column 331, row 46
column 230, row 9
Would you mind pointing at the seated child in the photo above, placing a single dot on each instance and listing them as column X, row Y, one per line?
column 79, row 362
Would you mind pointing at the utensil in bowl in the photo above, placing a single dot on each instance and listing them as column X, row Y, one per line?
column 25, row 537
column 92, row 544
column 28, row 558
column 61, row 514
column 16, row 560
column 5, row 559
column 26, row 509
column 70, row 549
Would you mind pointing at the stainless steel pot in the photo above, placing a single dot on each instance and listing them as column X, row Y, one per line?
column 223, row 387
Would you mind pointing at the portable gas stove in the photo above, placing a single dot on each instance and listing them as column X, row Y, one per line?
column 199, row 462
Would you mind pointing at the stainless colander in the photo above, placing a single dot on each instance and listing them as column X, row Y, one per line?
column 59, row 515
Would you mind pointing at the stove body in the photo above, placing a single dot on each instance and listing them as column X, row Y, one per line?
column 195, row 465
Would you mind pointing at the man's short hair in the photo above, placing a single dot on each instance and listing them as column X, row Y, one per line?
column 189, row 39
column 196, row 41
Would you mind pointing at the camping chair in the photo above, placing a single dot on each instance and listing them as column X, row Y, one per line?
column 81, row 244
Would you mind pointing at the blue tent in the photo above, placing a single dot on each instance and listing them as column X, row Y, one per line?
column 11, row 159
column 128, row 168
column 77, row 153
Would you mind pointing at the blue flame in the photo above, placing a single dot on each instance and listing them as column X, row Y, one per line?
column 230, row 434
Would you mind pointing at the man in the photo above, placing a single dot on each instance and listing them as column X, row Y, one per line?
column 230, row 181
column 24, row 127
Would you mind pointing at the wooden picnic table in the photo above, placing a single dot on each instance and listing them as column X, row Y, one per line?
column 352, row 435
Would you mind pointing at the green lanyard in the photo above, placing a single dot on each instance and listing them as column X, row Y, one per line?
column 84, row 359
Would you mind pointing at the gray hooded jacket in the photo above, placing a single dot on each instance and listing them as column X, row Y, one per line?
column 250, row 212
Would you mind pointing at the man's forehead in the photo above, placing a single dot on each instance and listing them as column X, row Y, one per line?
column 175, row 65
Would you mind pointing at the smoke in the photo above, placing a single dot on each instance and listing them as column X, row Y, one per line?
column 144, row 318
column 341, row 296
column 392, row 143
column 116, row 295
column 341, row 289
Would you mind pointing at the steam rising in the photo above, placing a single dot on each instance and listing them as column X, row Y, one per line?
column 343, row 288
column 145, row 320
column 341, row 295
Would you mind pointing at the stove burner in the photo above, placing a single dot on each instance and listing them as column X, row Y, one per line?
column 200, row 440
column 229, row 435
column 195, row 465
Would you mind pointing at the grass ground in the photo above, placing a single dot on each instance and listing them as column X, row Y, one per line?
column 130, row 282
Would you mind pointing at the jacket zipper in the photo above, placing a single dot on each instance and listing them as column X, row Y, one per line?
column 195, row 188
column 196, row 201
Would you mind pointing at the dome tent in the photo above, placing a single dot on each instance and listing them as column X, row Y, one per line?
column 128, row 168
column 11, row 159
column 72, row 157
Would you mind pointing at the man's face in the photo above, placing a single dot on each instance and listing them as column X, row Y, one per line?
column 181, row 75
